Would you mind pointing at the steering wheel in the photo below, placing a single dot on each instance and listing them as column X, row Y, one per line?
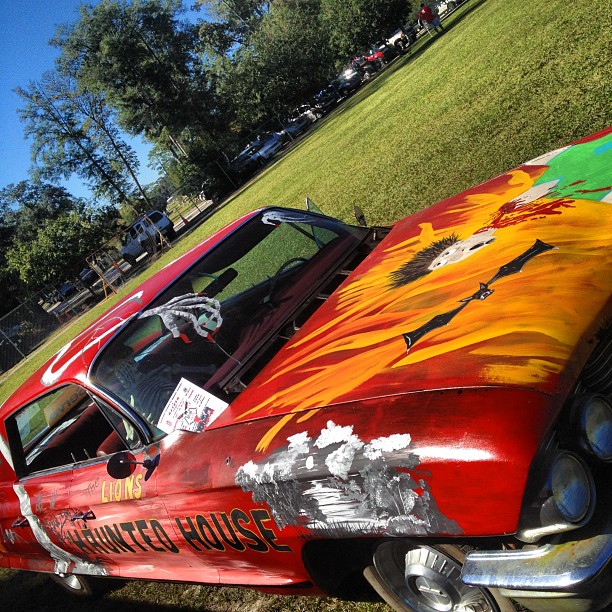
column 274, row 280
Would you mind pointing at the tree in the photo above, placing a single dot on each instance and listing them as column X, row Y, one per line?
column 277, row 55
column 58, row 250
column 230, row 23
column 66, row 140
column 46, row 234
column 356, row 23
column 145, row 62
column 285, row 62
column 27, row 205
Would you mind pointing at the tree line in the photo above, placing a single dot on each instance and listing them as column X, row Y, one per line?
column 192, row 84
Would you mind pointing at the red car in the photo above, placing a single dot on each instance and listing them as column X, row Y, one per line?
column 298, row 403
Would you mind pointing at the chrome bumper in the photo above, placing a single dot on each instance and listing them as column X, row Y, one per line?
column 563, row 567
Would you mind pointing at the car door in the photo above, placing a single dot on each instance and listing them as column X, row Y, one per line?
column 47, row 437
column 127, row 526
column 87, row 523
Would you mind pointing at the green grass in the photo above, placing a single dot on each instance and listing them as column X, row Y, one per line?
column 35, row 592
column 507, row 81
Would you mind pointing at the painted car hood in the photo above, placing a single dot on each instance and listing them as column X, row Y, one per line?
column 524, row 280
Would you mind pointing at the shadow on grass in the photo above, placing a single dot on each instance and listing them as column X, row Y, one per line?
column 33, row 591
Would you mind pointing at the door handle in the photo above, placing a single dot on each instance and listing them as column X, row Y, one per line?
column 83, row 516
column 20, row 522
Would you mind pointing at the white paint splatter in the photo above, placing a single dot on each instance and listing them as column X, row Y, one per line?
column 364, row 493
column 389, row 444
column 4, row 451
column 250, row 469
column 544, row 160
column 339, row 462
column 299, row 443
column 333, row 434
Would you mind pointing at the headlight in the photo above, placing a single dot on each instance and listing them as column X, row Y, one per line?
column 565, row 497
column 571, row 487
column 594, row 416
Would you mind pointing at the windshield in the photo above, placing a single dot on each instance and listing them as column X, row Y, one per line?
column 214, row 317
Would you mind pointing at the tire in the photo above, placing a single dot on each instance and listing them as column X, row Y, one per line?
column 75, row 584
column 170, row 234
column 130, row 260
column 452, row 6
column 427, row 579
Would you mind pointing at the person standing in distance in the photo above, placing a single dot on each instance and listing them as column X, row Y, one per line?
column 428, row 19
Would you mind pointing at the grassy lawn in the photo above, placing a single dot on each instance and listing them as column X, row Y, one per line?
column 507, row 81
column 35, row 592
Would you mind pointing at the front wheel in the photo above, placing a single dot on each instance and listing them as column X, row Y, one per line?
column 428, row 579
column 130, row 259
column 77, row 585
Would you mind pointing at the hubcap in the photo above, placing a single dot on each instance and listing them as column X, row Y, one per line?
column 71, row 581
column 428, row 580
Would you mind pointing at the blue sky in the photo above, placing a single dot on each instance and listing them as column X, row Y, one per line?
column 27, row 27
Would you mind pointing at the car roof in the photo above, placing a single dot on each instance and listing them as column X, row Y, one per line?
column 72, row 362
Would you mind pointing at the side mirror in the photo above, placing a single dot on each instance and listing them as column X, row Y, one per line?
column 121, row 465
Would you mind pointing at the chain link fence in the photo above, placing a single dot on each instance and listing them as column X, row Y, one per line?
column 23, row 329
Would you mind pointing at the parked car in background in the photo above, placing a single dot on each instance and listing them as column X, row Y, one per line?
column 246, row 161
column 67, row 290
column 257, row 153
column 163, row 223
column 306, row 110
column 366, row 65
column 382, row 52
column 268, row 144
column 446, row 6
column 326, row 99
column 304, row 406
column 145, row 234
column 348, row 81
column 294, row 126
column 88, row 277
column 402, row 38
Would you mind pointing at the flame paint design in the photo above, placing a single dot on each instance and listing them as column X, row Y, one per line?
column 353, row 347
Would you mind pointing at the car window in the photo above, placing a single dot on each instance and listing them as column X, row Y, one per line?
column 154, row 216
column 64, row 427
column 210, row 318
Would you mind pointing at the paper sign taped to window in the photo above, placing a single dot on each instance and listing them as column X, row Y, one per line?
column 190, row 408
